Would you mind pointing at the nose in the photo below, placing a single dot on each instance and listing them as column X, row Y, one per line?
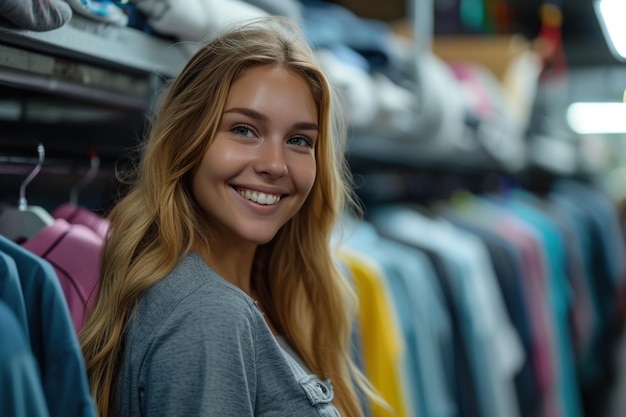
column 271, row 160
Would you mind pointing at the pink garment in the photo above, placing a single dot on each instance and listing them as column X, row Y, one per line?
column 535, row 295
column 472, row 78
column 73, row 250
column 80, row 215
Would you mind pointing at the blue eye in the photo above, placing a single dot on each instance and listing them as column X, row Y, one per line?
column 300, row 141
column 242, row 130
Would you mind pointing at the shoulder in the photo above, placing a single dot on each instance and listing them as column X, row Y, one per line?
column 194, row 328
column 195, row 300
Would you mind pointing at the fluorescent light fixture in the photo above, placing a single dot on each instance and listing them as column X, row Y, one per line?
column 590, row 118
column 611, row 15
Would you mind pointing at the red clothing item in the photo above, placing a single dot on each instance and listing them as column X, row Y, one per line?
column 73, row 250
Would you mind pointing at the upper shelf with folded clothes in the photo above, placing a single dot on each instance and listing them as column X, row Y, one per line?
column 87, row 40
column 76, row 81
column 113, row 44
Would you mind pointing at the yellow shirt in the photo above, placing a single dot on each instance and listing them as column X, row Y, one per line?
column 381, row 339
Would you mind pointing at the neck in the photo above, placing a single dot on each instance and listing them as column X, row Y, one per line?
column 232, row 264
column 235, row 266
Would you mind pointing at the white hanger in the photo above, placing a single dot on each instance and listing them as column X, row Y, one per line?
column 24, row 221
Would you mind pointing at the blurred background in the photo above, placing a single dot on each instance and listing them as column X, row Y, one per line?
column 487, row 139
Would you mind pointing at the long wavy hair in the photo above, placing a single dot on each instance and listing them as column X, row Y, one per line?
column 158, row 221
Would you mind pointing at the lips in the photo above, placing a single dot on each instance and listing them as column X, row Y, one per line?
column 258, row 197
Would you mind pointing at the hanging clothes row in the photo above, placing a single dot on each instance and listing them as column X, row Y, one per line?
column 485, row 305
column 504, row 305
column 71, row 244
column 47, row 286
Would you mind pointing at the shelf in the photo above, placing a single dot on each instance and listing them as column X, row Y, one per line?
column 111, row 46
column 370, row 151
column 84, row 87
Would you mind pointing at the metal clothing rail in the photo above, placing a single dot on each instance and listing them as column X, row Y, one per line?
column 423, row 21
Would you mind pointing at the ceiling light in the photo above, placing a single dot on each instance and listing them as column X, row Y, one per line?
column 590, row 118
column 611, row 14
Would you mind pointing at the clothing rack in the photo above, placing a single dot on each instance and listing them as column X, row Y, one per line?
column 84, row 87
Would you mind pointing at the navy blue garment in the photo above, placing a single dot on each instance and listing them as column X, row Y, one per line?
column 21, row 394
column 608, row 276
column 506, row 263
column 52, row 338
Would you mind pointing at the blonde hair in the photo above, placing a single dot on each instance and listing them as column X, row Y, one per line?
column 158, row 221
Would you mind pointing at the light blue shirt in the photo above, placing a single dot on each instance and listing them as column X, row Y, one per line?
column 422, row 315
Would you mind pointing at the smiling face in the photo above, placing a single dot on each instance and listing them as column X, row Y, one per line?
column 260, row 168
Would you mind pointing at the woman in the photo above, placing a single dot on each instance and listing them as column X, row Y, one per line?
column 218, row 292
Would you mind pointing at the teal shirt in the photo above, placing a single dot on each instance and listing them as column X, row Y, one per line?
column 21, row 393
column 53, row 342
column 559, row 296
column 11, row 291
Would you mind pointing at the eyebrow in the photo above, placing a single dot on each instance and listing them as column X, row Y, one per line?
column 253, row 114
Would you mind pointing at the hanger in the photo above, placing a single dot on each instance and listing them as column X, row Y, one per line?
column 24, row 221
column 94, row 166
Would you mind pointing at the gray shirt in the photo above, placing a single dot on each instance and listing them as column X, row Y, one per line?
column 199, row 346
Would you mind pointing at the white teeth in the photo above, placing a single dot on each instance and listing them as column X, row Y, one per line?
column 260, row 198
